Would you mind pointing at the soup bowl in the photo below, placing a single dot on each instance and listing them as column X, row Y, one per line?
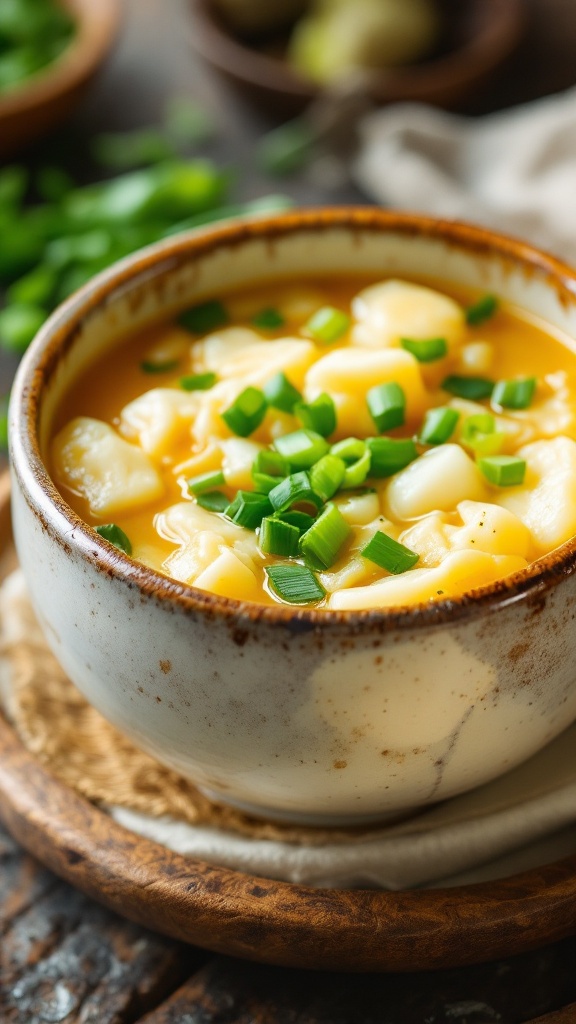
column 311, row 716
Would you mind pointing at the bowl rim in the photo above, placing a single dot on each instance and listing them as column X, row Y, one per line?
column 454, row 69
column 95, row 26
column 530, row 584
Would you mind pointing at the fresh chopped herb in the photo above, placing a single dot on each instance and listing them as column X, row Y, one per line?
column 281, row 394
column 387, row 405
column 301, row 448
column 321, row 544
column 327, row 475
column 295, row 584
column 213, row 501
column 268, row 319
column 206, row 482
column 198, row 381
column 472, row 388
column 514, row 394
column 425, row 350
column 248, row 509
column 205, row 317
column 389, row 553
column 481, row 310
column 327, row 325
column 439, row 425
column 246, row 413
column 294, row 490
column 503, row 470
column 114, row 535
column 319, row 415
column 165, row 366
column 278, row 537
column 388, row 455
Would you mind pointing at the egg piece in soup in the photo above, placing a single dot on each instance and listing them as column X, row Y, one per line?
column 341, row 444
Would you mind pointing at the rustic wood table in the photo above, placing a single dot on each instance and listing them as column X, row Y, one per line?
column 64, row 959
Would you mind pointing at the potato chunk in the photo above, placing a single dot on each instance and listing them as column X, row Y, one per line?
column 112, row 475
column 490, row 528
column 392, row 310
column 158, row 419
column 546, row 502
column 436, row 482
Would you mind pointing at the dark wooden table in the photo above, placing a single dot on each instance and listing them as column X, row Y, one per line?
column 65, row 960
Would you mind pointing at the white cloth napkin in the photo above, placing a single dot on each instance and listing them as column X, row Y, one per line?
column 514, row 170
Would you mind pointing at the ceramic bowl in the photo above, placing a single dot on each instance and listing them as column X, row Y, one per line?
column 45, row 99
column 477, row 40
column 310, row 716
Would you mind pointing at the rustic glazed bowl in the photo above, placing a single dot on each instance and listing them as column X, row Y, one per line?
column 307, row 715
column 47, row 98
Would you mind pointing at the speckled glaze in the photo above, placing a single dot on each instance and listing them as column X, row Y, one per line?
column 310, row 716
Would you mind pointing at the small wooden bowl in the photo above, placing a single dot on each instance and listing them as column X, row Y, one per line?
column 48, row 97
column 478, row 37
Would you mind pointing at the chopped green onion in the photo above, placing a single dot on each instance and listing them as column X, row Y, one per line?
column 389, row 554
column 481, row 310
column 327, row 475
column 281, row 394
column 302, row 448
column 268, row 319
column 198, row 381
column 327, row 324
column 301, row 520
column 321, row 544
column 387, row 405
column 356, row 473
column 514, row 394
column 425, row 350
column 213, row 501
column 271, row 463
column 503, row 470
column 248, row 509
column 349, row 450
column 294, row 490
column 263, row 482
column 205, row 317
column 295, row 584
column 114, row 535
column 245, row 415
column 438, row 425
column 167, row 366
column 479, row 433
column 206, row 482
column 389, row 455
column 278, row 537
column 319, row 415
column 473, row 388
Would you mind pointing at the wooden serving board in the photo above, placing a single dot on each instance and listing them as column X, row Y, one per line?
column 263, row 920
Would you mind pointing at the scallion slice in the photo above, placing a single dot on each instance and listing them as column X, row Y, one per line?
column 249, row 509
column 206, row 482
column 271, row 463
column 481, row 310
column 198, row 381
column 319, row 415
column 278, row 537
column 167, row 366
column 281, row 394
column 245, row 415
column 388, row 455
column 114, row 535
column 479, row 433
column 268, row 319
column 514, row 394
column 301, row 448
column 204, row 317
column 425, row 350
column 389, row 553
column 473, row 388
column 387, row 405
column 503, row 470
column 295, row 584
column 327, row 475
column 213, row 501
column 294, row 490
column 263, row 482
column 356, row 473
column 439, row 425
column 327, row 324
column 349, row 450
column 301, row 520
column 321, row 544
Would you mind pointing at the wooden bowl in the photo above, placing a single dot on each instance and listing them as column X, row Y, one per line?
column 477, row 38
column 48, row 97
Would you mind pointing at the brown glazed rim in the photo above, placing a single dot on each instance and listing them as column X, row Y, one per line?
column 96, row 22
column 59, row 332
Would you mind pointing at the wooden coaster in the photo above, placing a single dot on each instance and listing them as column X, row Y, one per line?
column 272, row 922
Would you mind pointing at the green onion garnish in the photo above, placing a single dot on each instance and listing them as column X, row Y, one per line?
column 114, row 535
column 389, row 455
column 248, row 509
column 301, row 520
column 387, row 405
column 278, row 537
column 295, row 584
column 503, row 470
column 206, row 482
column 281, row 394
column 198, row 381
column 150, row 366
column 327, row 324
column 438, row 425
column 514, row 394
column 479, row 433
column 207, row 316
column 319, row 415
column 481, row 310
column 327, row 475
column 263, row 482
column 425, row 350
column 294, row 490
column 213, row 501
column 389, row 554
column 321, row 544
column 271, row 463
column 356, row 473
column 268, row 319
column 302, row 448
column 349, row 450
column 246, row 414
column 473, row 388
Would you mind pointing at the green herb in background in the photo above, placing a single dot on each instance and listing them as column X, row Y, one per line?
column 33, row 33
